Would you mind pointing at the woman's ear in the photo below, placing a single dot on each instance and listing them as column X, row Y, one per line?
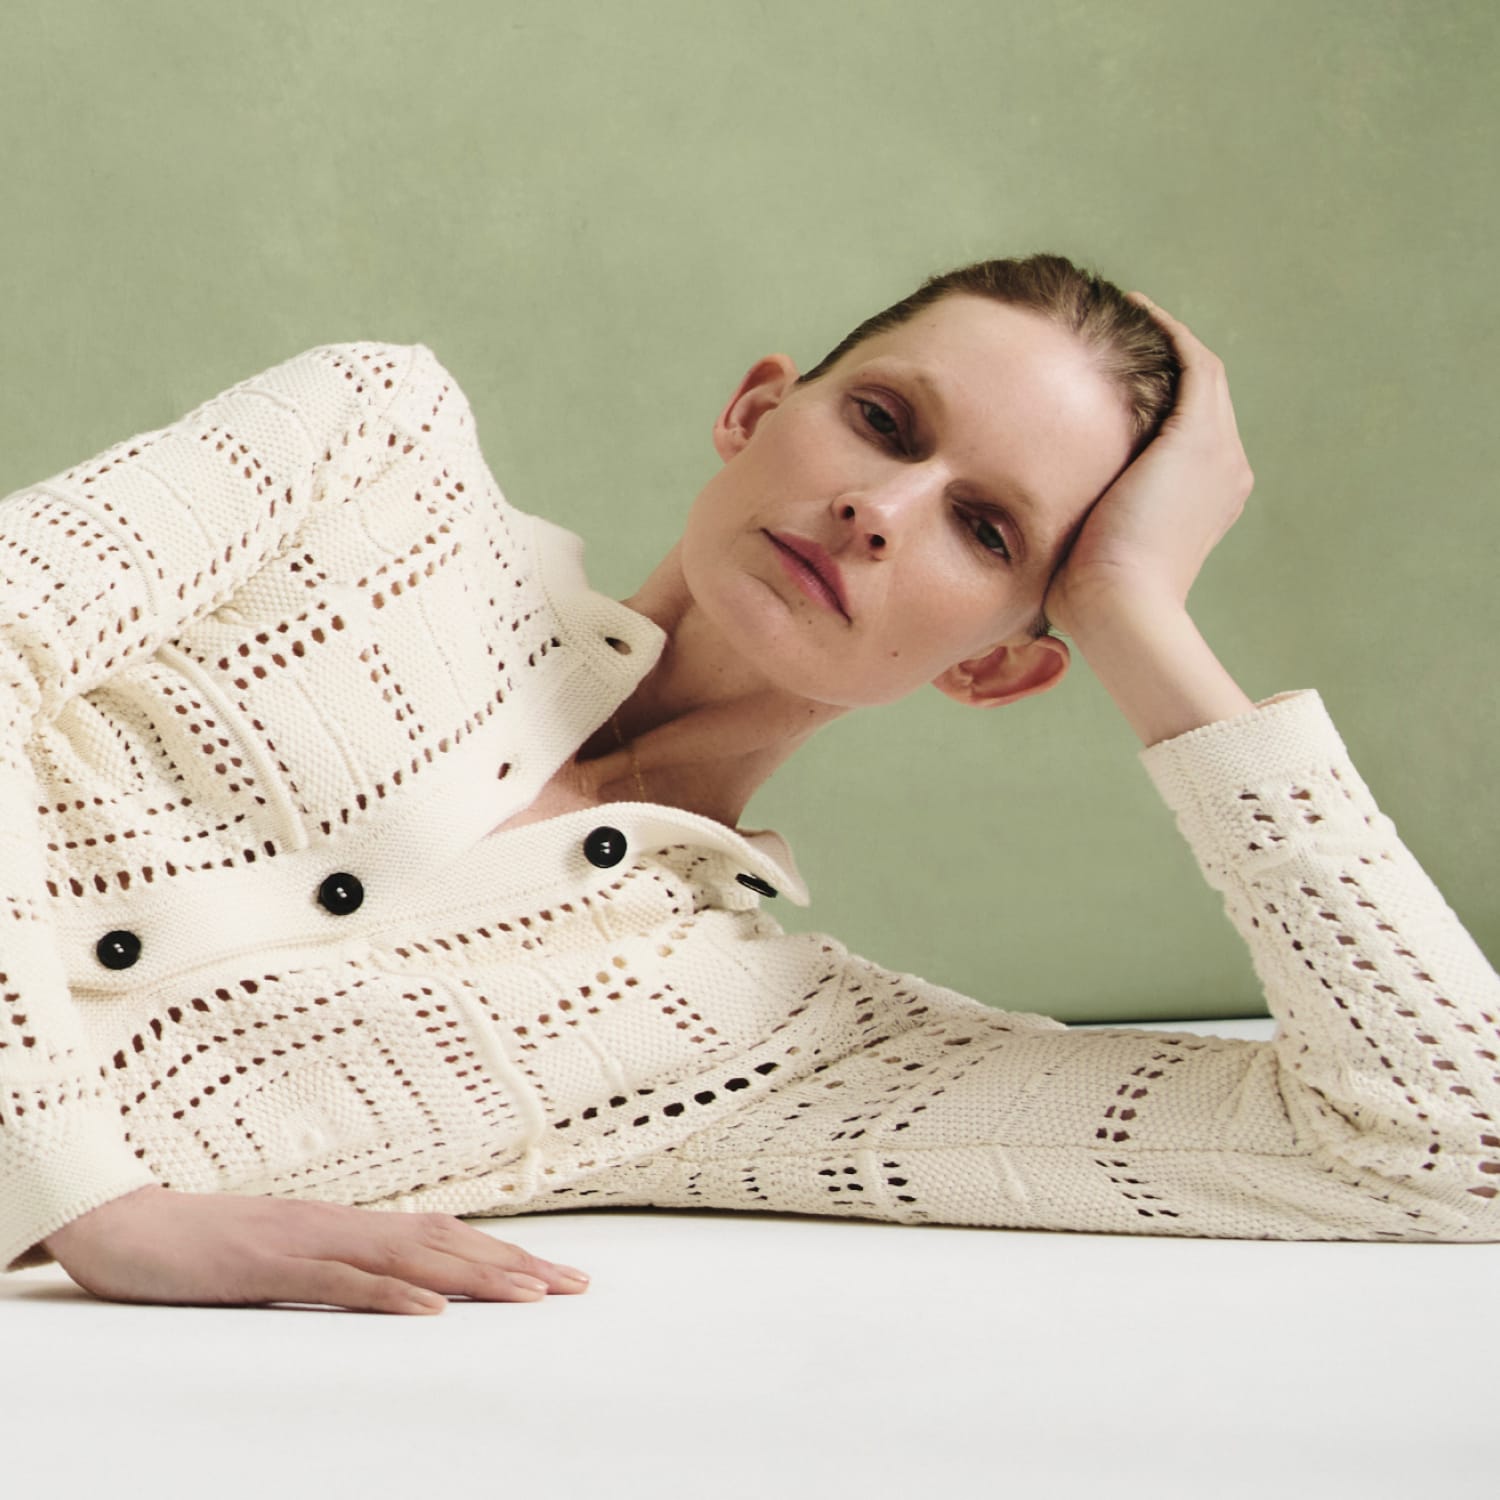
column 1006, row 673
column 763, row 389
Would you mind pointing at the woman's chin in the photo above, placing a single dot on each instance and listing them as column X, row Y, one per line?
column 795, row 651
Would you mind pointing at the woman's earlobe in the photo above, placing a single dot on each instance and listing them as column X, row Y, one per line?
column 1007, row 673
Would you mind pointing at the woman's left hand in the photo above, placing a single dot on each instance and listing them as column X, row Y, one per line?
column 1149, row 534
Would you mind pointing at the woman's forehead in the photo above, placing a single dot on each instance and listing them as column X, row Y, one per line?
column 1009, row 386
column 977, row 337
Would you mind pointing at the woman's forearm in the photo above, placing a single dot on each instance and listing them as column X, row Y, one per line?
column 1156, row 666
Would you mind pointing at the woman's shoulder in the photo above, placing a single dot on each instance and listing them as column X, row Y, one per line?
column 405, row 384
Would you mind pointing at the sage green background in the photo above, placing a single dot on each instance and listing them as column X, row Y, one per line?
column 600, row 214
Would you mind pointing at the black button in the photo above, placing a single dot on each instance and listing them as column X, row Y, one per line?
column 341, row 894
column 755, row 883
column 604, row 847
column 118, row 950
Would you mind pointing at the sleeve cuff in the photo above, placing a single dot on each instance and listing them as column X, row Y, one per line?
column 1288, row 735
column 61, row 1179
column 1259, row 788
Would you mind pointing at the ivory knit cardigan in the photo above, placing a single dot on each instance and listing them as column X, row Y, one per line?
column 300, row 634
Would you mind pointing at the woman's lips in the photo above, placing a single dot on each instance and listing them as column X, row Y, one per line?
column 812, row 569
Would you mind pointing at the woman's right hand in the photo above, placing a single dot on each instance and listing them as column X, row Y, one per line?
column 1152, row 530
column 202, row 1249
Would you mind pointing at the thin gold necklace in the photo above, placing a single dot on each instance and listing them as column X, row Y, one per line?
column 635, row 765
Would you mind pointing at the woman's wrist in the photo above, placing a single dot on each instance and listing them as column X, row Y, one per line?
column 1151, row 659
column 76, row 1232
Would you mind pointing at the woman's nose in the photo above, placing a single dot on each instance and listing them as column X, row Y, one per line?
column 880, row 519
column 874, row 540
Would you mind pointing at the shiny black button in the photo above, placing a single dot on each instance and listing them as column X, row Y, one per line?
column 755, row 883
column 118, row 950
column 341, row 894
column 604, row 847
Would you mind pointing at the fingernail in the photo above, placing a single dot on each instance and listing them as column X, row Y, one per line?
column 529, row 1283
column 571, row 1273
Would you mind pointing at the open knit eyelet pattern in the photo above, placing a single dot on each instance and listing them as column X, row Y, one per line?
column 303, row 625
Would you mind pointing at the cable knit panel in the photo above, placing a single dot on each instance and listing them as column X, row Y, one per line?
column 299, row 641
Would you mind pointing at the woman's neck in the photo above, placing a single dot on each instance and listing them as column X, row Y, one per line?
column 705, row 728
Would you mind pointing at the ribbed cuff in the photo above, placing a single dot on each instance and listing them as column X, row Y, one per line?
column 59, row 1179
column 1284, row 736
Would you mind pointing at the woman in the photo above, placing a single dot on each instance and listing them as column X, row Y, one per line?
column 362, row 857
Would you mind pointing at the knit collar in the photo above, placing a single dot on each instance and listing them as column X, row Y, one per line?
column 619, row 647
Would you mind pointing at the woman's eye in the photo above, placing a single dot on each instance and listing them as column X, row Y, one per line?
column 988, row 535
column 879, row 420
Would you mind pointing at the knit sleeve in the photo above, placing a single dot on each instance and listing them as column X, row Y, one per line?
column 1387, row 1046
column 99, row 566
column 1371, row 1115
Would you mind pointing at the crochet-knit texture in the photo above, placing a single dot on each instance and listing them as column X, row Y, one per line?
column 300, row 632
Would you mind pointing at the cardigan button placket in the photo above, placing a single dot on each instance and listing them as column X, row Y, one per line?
column 341, row 894
column 755, row 883
column 118, row 950
column 604, row 847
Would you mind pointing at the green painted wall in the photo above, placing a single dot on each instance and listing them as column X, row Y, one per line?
column 599, row 214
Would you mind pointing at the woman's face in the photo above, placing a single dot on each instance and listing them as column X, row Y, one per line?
column 905, row 511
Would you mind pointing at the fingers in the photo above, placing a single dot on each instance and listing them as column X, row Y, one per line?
column 437, row 1252
column 458, row 1238
column 216, row 1249
column 1191, row 350
column 341, row 1285
column 466, row 1246
column 1204, row 385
